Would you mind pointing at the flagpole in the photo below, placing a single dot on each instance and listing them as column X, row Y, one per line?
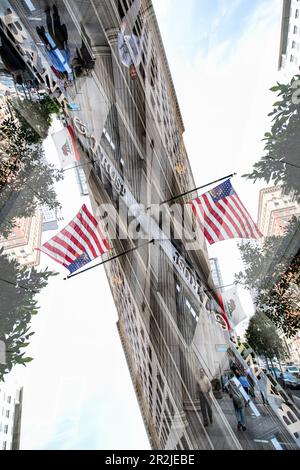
column 79, row 166
column 210, row 289
column 196, row 189
column 109, row 259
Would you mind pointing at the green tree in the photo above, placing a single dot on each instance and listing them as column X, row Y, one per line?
column 30, row 184
column 19, row 286
column 263, row 338
column 280, row 163
column 35, row 117
column 272, row 272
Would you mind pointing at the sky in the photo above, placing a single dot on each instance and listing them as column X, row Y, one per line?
column 223, row 57
column 223, row 63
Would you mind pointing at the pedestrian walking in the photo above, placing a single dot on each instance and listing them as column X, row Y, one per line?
column 247, row 374
column 238, row 404
column 205, row 398
column 243, row 381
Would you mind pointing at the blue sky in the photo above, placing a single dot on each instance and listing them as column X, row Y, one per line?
column 223, row 58
column 198, row 25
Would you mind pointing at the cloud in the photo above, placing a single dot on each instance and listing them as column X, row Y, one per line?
column 224, row 98
column 223, row 93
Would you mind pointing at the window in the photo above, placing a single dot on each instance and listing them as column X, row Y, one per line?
column 9, row 399
column 295, row 30
column 109, row 139
column 191, row 310
column 7, row 413
column 297, row 13
column 292, row 58
column 5, row 428
column 293, row 44
column 159, row 395
column 160, row 381
column 184, row 443
column 170, row 406
column 29, row 4
column 4, row 445
column 158, row 409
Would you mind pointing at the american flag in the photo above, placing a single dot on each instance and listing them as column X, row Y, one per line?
column 78, row 243
column 222, row 215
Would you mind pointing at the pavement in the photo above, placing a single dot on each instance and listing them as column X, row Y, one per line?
column 263, row 432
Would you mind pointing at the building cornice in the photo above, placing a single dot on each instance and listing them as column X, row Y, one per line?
column 286, row 10
column 151, row 12
column 262, row 192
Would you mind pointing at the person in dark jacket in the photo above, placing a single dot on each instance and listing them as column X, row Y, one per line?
column 83, row 62
column 238, row 403
column 57, row 30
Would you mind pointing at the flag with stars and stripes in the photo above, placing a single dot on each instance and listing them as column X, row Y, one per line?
column 78, row 243
column 222, row 215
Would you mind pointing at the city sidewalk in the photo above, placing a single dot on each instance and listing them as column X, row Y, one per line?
column 261, row 430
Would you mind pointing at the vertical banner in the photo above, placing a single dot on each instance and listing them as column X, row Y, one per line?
column 233, row 307
column 65, row 143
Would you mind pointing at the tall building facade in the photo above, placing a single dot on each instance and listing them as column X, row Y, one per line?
column 23, row 240
column 10, row 416
column 127, row 122
column 50, row 218
column 289, row 52
column 275, row 211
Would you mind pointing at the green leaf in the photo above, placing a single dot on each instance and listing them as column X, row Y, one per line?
column 28, row 359
column 275, row 88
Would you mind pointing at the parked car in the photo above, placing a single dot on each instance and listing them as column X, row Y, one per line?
column 275, row 372
column 289, row 380
column 292, row 370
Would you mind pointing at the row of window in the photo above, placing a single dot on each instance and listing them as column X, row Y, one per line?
column 6, row 397
column 142, row 353
column 5, row 412
column 3, row 428
column 188, row 305
column 182, row 444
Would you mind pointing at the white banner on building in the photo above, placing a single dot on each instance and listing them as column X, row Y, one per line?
column 233, row 306
column 65, row 147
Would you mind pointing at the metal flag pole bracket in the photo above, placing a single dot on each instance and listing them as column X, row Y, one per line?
column 91, row 162
column 110, row 259
column 195, row 189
